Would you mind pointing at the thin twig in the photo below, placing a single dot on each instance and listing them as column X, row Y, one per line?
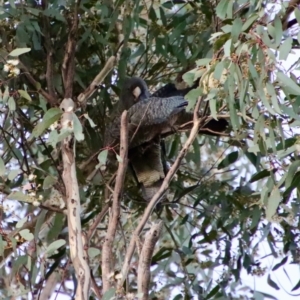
column 144, row 274
column 98, row 219
column 52, row 100
column 160, row 193
column 107, row 249
column 95, row 288
column 68, row 65
column 49, row 50
column 83, row 97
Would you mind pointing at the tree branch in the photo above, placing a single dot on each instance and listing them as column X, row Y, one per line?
column 69, row 176
column 49, row 49
column 144, row 274
column 160, row 193
column 68, row 65
column 107, row 249
column 83, row 97
column 52, row 100
column 293, row 4
column 98, row 219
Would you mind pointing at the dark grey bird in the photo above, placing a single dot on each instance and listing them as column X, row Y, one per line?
column 149, row 117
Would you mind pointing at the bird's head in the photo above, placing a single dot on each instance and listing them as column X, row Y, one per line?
column 134, row 90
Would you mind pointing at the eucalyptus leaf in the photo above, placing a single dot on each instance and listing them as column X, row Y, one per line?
column 78, row 130
column 26, row 234
column 19, row 51
column 273, row 202
column 52, row 115
column 51, row 249
column 2, row 167
column 228, row 160
column 49, row 181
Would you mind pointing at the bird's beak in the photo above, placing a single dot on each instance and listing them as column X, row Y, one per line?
column 136, row 93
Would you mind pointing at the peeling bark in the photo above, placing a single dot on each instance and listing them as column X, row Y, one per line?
column 144, row 273
column 77, row 252
column 107, row 250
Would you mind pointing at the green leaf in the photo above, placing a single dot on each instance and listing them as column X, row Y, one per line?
column 273, row 202
column 2, row 167
column 58, row 225
column 152, row 14
column 26, row 234
column 49, row 181
column 52, row 115
column 296, row 287
column 51, row 249
column 93, row 252
column 278, row 31
column 249, row 21
column 228, row 160
column 286, row 144
column 25, row 95
column 236, row 29
column 294, row 184
column 5, row 95
column 109, row 295
column 13, row 174
column 260, row 175
column 283, row 262
column 231, row 102
column 19, row 51
column 255, row 217
column 272, row 283
column 102, row 157
column 54, row 13
column 39, row 223
column 21, row 222
column 203, row 62
column 227, row 47
column 55, row 137
column 11, row 104
column 291, row 173
column 221, row 9
column 219, row 68
column 289, row 83
column 188, row 77
column 18, row 196
column 192, row 97
column 3, row 244
column 272, row 93
column 213, row 292
column 285, row 48
column 78, row 130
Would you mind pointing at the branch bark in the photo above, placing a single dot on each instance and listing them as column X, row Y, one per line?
column 107, row 250
column 83, row 97
column 155, row 199
column 77, row 252
column 49, row 49
column 51, row 100
column 68, row 65
column 144, row 274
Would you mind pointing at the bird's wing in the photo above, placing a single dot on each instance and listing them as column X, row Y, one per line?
column 170, row 90
column 155, row 111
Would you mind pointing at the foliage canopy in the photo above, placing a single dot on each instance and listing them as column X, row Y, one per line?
column 231, row 194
